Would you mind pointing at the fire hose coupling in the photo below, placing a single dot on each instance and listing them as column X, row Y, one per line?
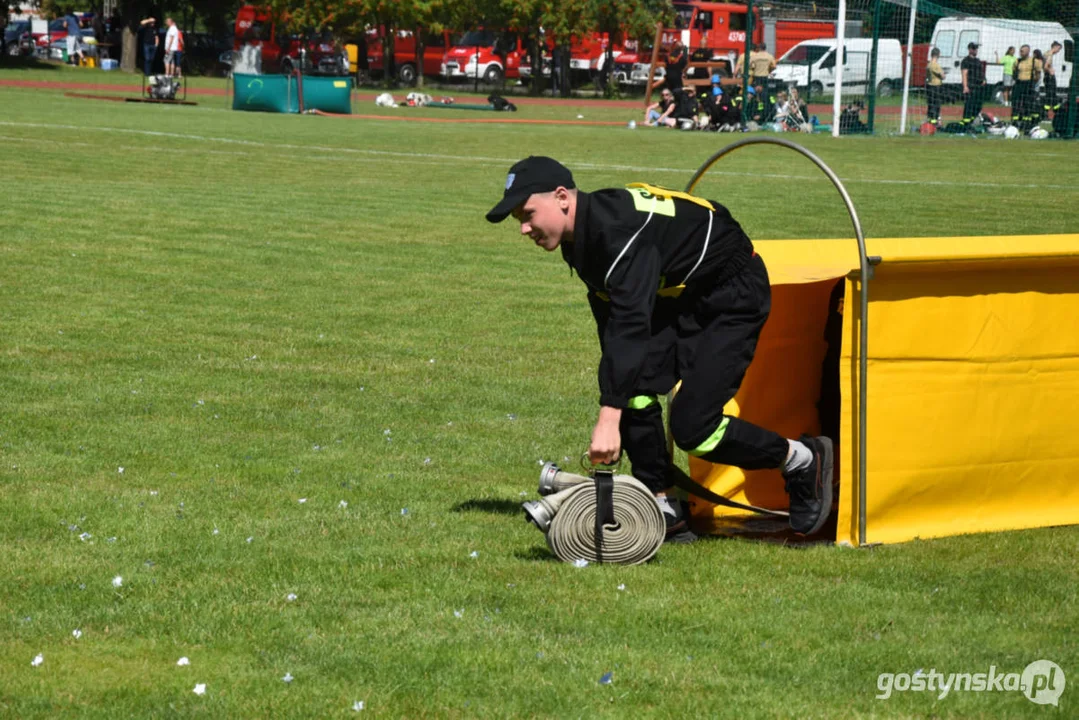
column 569, row 513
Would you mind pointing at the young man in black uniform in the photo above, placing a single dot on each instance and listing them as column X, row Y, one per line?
column 973, row 85
column 678, row 293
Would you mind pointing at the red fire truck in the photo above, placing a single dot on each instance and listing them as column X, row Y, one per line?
column 588, row 55
column 489, row 55
column 310, row 53
column 709, row 31
column 713, row 31
column 721, row 28
column 406, row 65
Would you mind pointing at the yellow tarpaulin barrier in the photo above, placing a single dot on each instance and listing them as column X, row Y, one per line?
column 973, row 383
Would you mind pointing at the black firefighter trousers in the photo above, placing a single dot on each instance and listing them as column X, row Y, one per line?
column 706, row 338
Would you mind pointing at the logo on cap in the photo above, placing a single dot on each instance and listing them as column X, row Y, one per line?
column 509, row 180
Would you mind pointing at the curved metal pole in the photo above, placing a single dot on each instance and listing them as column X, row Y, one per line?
column 865, row 267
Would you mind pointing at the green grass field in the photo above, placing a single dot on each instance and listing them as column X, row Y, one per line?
column 209, row 316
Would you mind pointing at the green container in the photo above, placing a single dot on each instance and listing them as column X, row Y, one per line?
column 265, row 93
column 328, row 94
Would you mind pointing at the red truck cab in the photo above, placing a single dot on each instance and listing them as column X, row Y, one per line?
column 435, row 45
column 486, row 54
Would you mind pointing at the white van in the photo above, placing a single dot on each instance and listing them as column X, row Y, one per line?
column 994, row 36
column 811, row 64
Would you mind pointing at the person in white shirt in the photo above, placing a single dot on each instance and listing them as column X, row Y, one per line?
column 174, row 48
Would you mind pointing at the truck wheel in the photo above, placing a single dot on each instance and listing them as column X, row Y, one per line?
column 407, row 74
column 884, row 88
column 493, row 75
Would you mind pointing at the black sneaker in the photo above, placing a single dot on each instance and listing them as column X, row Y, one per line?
column 675, row 513
column 810, row 489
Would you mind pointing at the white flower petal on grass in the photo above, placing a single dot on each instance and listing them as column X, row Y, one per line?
column 343, row 504
column 216, row 531
column 153, row 492
column 85, row 536
column 288, row 678
column 427, row 461
column 118, row 581
column 302, row 500
column 622, row 586
column 580, row 563
column 250, row 539
column 38, row 659
column 474, row 554
column 459, row 613
column 183, row 661
column 76, row 633
column 290, row 597
column 200, row 689
column 357, row 706
column 404, row 511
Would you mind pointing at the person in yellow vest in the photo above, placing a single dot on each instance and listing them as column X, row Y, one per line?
column 1028, row 71
column 1007, row 64
column 1052, row 102
column 678, row 293
column 934, row 79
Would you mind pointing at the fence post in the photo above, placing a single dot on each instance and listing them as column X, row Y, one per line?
column 910, row 62
column 872, row 85
column 1073, row 91
column 840, row 44
column 745, row 65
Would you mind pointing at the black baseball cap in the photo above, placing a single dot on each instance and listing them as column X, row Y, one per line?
column 534, row 174
column 972, row 46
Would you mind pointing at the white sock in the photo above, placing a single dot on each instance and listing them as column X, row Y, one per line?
column 666, row 507
column 799, row 457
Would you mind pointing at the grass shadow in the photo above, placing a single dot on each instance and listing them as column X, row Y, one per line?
column 536, row 553
column 773, row 531
column 495, row 507
column 27, row 63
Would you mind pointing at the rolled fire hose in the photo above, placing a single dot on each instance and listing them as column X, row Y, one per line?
column 567, row 514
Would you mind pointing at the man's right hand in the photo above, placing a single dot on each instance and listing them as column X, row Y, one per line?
column 606, row 443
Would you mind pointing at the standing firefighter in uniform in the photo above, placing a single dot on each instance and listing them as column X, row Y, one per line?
column 678, row 293
column 973, row 73
column 1052, row 100
column 1028, row 70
